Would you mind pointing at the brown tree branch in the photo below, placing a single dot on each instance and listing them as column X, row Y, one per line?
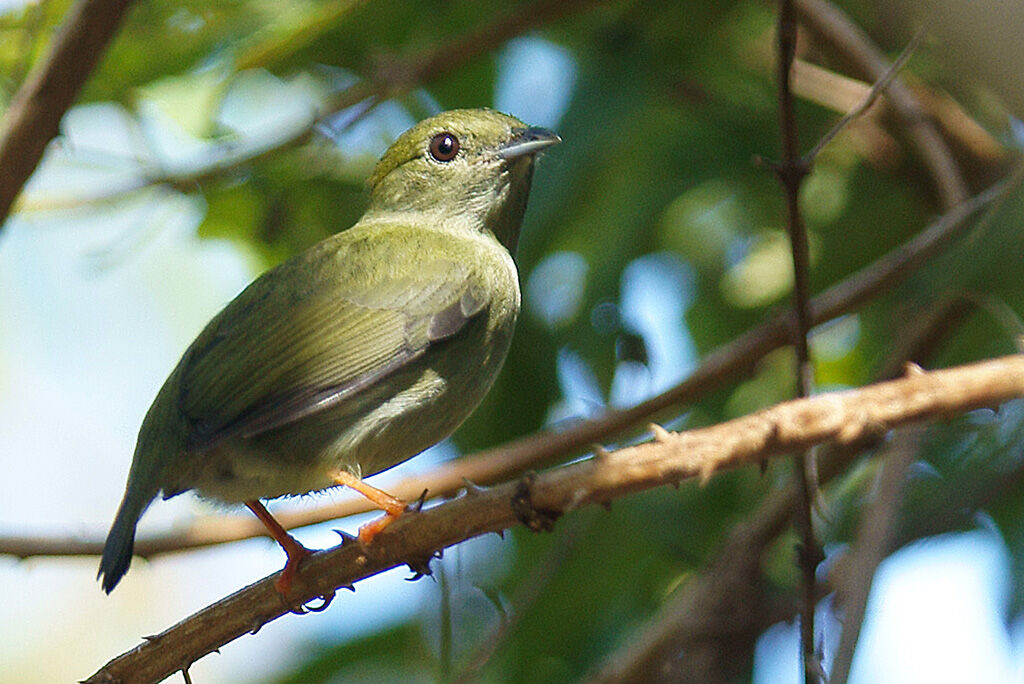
column 35, row 113
column 691, row 620
column 390, row 77
column 840, row 417
column 838, row 30
column 791, row 170
column 501, row 463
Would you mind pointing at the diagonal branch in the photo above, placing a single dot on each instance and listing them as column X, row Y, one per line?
column 499, row 464
column 869, row 99
column 827, row 20
column 841, row 417
column 716, row 617
column 35, row 113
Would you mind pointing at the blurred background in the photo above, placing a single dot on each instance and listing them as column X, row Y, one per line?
column 216, row 139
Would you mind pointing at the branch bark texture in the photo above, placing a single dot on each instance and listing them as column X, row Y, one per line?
column 841, row 417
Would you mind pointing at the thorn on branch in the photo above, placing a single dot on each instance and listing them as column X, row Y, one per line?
column 661, row 435
column 420, row 567
column 417, row 505
column 911, row 369
column 472, row 488
column 536, row 519
column 346, row 538
column 600, row 453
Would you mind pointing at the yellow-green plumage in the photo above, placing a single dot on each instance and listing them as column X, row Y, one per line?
column 360, row 352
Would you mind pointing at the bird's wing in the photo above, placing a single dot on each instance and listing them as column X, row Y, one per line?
column 297, row 340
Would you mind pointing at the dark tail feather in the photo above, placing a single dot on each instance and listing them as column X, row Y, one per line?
column 117, row 551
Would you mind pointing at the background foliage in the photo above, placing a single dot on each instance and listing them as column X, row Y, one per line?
column 652, row 238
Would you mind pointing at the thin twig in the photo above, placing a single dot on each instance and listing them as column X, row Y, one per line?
column 842, row 417
column 876, row 90
column 827, row 20
column 791, row 171
column 501, row 463
column 33, row 118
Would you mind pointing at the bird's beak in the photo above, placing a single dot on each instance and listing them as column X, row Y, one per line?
column 527, row 141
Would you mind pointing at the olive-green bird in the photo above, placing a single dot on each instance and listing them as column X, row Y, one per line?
column 358, row 353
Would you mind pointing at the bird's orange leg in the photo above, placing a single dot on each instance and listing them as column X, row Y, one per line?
column 392, row 507
column 296, row 551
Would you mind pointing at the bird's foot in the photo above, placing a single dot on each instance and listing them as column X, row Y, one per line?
column 371, row 529
column 296, row 553
column 294, row 550
column 391, row 505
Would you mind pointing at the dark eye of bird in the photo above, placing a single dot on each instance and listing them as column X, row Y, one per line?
column 444, row 147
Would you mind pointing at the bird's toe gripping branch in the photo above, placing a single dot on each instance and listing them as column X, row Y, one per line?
column 392, row 506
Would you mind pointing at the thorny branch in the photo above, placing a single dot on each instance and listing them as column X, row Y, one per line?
column 693, row 621
column 791, row 171
column 501, row 463
column 841, row 417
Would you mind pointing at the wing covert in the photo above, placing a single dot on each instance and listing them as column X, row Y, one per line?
column 278, row 353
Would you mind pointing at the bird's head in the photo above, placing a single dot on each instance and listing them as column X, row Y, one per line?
column 470, row 166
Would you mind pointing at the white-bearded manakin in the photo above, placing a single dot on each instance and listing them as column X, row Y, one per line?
column 356, row 354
